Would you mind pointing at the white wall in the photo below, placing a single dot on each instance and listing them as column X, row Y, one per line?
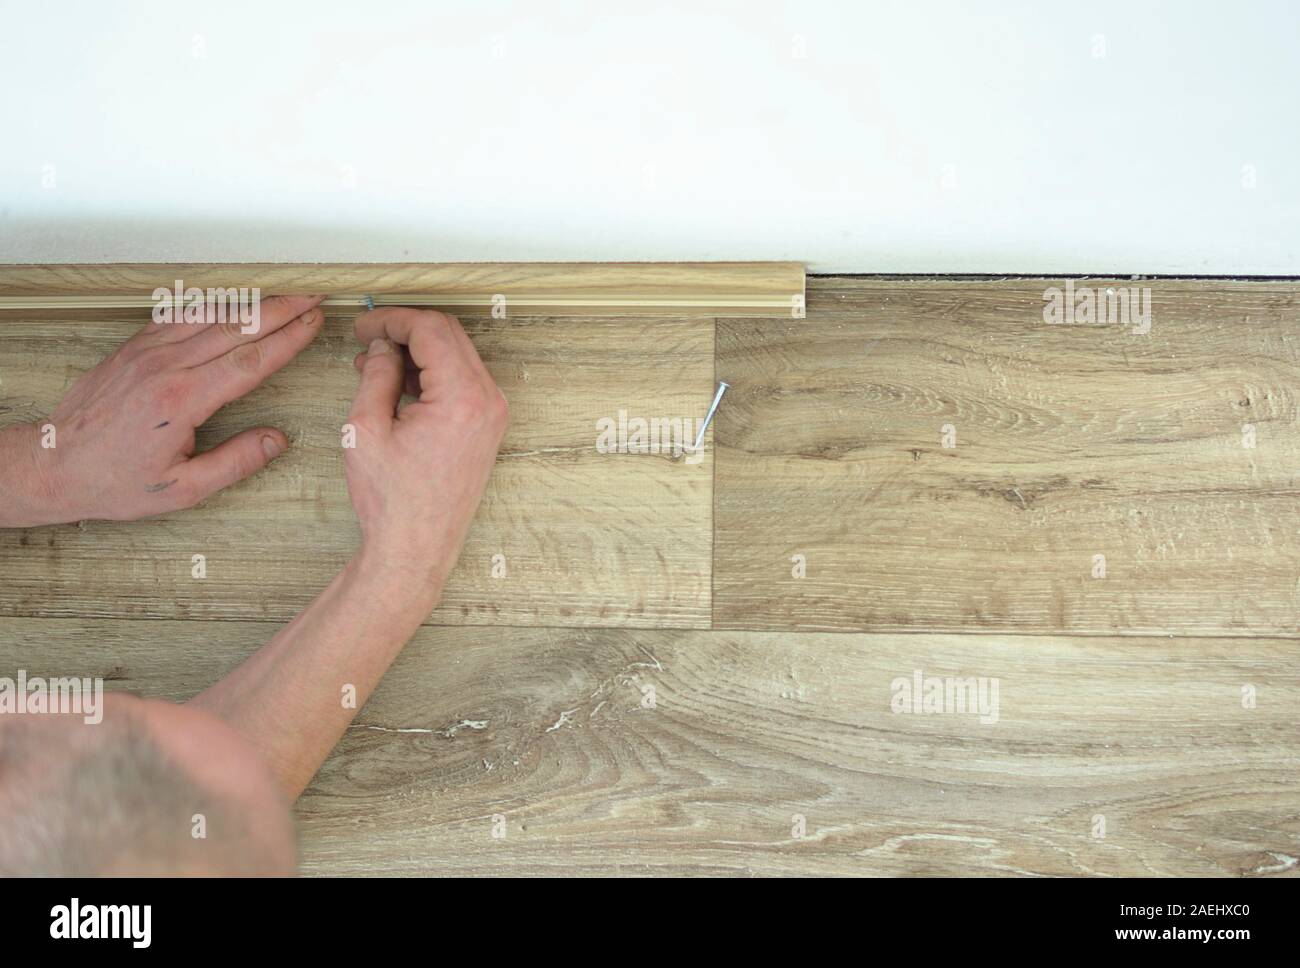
column 889, row 137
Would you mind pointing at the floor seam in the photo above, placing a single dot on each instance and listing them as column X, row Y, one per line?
column 713, row 499
column 687, row 629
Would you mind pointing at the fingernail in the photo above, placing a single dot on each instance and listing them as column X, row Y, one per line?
column 312, row 316
column 380, row 346
column 271, row 447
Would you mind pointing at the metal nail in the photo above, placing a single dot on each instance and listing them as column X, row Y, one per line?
column 722, row 388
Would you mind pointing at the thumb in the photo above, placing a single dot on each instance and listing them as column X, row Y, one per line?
column 382, row 376
column 232, row 460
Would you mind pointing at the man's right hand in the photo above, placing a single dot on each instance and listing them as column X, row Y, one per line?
column 416, row 477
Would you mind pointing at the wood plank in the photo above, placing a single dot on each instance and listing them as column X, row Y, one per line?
column 587, row 538
column 554, row 289
column 1071, row 442
column 549, row 730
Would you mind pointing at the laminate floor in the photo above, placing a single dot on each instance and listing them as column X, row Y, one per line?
column 869, row 633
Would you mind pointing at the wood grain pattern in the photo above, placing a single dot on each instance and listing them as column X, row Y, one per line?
column 587, row 538
column 557, row 288
column 549, row 730
column 1071, row 442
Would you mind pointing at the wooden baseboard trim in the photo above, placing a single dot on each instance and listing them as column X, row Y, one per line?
column 536, row 288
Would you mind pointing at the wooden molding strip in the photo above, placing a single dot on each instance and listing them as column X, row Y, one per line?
column 538, row 288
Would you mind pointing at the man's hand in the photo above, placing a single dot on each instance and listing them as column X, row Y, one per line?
column 416, row 477
column 123, row 436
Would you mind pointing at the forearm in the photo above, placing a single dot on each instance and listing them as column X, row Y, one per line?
column 293, row 698
column 27, row 496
